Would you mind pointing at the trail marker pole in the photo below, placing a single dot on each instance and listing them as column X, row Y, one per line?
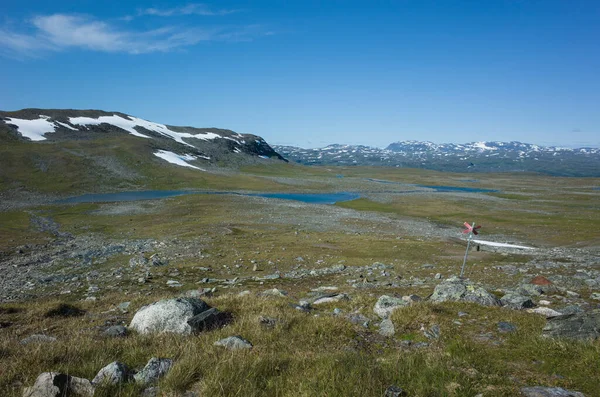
column 471, row 230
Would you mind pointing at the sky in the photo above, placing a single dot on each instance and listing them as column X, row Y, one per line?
column 311, row 73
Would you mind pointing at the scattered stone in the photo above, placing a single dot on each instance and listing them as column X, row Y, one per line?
column 114, row 373
column 124, row 307
column 505, row 327
column 433, row 332
column 207, row 320
column 52, row 384
column 571, row 309
column 267, row 322
column 168, row 315
column 539, row 391
column 595, row 296
column 545, row 311
column 531, row 290
column 244, row 293
column 155, row 369
column 138, row 261
column 174, row 284
column 412, row 298
column 456, row 289
column 544, row 302
column 394, row 391
column 387, row 304
column 337, row 311
column 38, row 339
column 116, row 331
column 516, row 301
column 386, row 328
column 156, row 261
column 274, row 292
column 329, row 298
column 234, row 343
column 576, row 326
column 438, row 276
column 572, row 294
column 153, row 391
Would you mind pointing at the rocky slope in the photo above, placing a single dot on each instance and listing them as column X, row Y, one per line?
column 469, row 157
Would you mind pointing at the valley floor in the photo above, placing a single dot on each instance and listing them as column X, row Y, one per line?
column 107, row 260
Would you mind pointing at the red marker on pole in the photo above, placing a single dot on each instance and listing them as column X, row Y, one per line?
column 470, row 230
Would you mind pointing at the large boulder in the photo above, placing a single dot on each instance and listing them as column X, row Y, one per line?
column 54, row 384
column 387, row 304
column 168, row 315
column 538, row 391
column 457, row 289
column 575, row 326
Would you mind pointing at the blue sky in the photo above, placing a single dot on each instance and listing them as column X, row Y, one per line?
column 310, row 73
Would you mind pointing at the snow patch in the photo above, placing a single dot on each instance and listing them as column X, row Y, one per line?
column 178, row 159
column 66, row 126
column 33, row 129
column 504, row 245
column 483, row 146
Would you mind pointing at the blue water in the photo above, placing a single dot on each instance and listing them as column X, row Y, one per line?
column 320, row 198
column 438, row 188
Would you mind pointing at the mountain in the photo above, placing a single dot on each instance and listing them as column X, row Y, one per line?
column 468, row 157
column 63, row 150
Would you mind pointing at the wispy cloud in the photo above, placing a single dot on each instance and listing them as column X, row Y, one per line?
column 190, row 9
column 60, row 32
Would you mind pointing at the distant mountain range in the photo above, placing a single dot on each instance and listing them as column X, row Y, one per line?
column 468, row 157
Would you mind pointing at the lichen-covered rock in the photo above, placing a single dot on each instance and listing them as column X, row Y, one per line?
column 516, row 301
column 234, row 343
column 386, row 328
column 114, row 373
column 456, row 289
column 330, row 298
column 387, row 304
column 154, row 370
column 53, row 384
column 575, row 326
column 168, row 315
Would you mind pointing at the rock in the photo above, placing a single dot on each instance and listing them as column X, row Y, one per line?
column 124, row 307
column 432, row 333
column 575, row 326
column 267, row 322
column 571, row 309
column 117, row 331
column 545, row 311
column 595, row 296
column 155, row 369
column 394, row 391
column 156, row 261
column 274, row 292
column 540, row 280
column 234, row 343
column 539, row 391
column 438, row 276
column 360, row 319
column 138, row 260
column 573, row 294
column 505, row 327
column 168, row 315
column 52, row 384
column 412, row 298
column 530, row 290
column 114, row 373
column 38, row 339
column 174, row 284
column 387, row 304
column 207, row 320
column 516, row 301
column 456, row 289
column 329, row 298
column 151, row 392
column 386, row 328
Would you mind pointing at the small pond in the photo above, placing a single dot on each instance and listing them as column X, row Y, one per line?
column 312, row 198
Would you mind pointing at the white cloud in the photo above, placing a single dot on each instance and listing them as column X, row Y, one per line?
column 190, row 9
column 59, row 32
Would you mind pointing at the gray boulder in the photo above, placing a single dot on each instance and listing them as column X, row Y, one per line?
column 114, row 373
column 154, row 370
column 386, row 328
column 207, row 320
column 116, row 331
column 329, row 298
column 575, row 326
column 539, row 391
column 387, row 304
column 53, row 384
column 456, row 289
column 234, row 343
column 168, row 315
column 516, row 301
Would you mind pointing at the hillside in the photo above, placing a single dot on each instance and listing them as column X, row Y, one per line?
column 50, row 151
column 469, row 157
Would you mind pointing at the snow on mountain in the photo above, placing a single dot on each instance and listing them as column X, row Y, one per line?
column 177, row 159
